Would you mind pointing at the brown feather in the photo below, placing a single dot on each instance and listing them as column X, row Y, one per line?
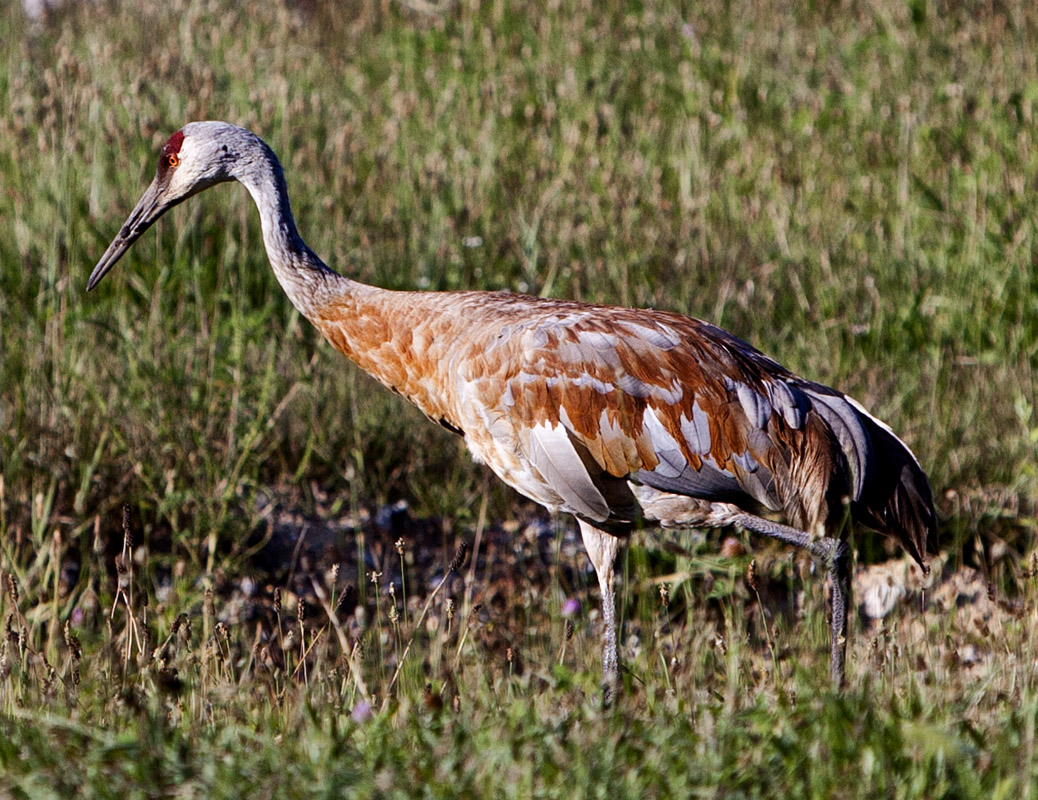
column 494, row 365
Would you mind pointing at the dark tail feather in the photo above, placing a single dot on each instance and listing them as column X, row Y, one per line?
column 896, row 499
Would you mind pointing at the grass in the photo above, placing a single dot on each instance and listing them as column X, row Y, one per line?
column 850, row 187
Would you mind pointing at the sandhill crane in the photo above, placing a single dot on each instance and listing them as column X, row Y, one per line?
column 613, row 415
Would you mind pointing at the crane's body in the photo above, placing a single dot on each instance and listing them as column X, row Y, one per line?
column 611, row 414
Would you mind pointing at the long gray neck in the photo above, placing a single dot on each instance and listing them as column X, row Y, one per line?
column 307, row 280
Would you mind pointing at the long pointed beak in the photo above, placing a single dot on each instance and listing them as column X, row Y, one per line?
column 148, row 209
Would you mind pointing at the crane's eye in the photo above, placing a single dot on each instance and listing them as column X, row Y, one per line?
column 172, row 160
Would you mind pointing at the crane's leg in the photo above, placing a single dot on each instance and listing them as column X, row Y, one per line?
column 835, row 554
column 840, row 576
column 602, row 549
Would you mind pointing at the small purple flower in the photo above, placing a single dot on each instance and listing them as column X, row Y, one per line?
column 77, row 616
column 361, row 712
column 571, row 607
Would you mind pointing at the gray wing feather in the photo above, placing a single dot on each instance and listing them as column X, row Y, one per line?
column 632, row 386
column 854, row 439
column 709, row 482
column 554, row 456
column 697, row 430
column 672, row 462
column 789, row 401
column 757, row 481
column 754, row 404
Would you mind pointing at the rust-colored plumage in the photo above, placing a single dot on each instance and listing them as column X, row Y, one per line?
column 679, row 405
column 611, row 414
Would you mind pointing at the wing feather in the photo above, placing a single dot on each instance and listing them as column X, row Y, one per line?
column 598, row 396
column 845, row 423
column 554, row 456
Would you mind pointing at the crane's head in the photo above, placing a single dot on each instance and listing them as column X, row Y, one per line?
column 199, row 155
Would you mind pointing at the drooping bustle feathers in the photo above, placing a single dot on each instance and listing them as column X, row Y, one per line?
column 897, row 500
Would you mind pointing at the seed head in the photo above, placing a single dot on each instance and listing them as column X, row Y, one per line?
column 127, row 531
column 347, row 592
column 183, row 626
column 459, row 557
column 72, row 642
column 393, row 614
column 98, row 545
column 751, row 574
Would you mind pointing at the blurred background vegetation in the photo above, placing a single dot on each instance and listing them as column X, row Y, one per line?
column 850, row 186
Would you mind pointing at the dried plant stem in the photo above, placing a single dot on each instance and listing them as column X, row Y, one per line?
column 403, row 576
column 461, row 645
column 751, row 579
column 459, row 557
column 481, row 521
column 124, row 589
column 378, row 615
column 314, row 639
column 350, row 652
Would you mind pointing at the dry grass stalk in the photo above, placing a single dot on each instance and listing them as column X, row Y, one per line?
column 455, row 565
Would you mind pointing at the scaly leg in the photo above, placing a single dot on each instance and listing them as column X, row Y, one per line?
column 602, row 549
column 840, row 574
column 835, row 554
